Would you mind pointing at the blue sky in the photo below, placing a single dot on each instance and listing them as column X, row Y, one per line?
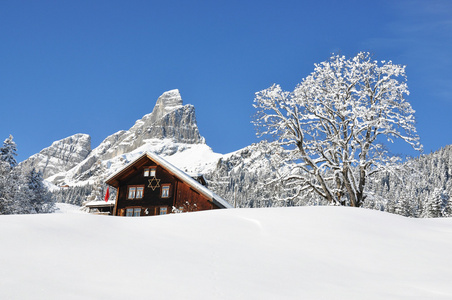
column 95, row 67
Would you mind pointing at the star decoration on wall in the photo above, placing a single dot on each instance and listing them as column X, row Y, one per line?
column 154, row 183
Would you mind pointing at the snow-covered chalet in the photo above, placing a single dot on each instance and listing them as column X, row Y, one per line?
column 152, row 186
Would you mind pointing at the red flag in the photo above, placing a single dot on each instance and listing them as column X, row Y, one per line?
column 107, row 194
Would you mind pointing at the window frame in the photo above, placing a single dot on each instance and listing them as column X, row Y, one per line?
column 133, row 211
column 163, row 209
column 165, row 187
column 137, row 210
column 150, row 171
column 135, row 192
column 131, row 192
column 141, row 188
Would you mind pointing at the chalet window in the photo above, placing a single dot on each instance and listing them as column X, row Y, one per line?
column 140, row 190
column 132, row 192
column 165, row 190
column 133, row 212
column 149, row 172
column 163, row 210
column 135, row 192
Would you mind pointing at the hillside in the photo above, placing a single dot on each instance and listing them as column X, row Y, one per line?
column 420, row 187
column 273, row 253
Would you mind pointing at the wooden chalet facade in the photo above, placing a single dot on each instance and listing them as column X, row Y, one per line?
column 152, row 186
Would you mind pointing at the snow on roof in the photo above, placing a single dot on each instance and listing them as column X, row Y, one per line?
column 99, row 203
column 194, row 174
column 180, row 174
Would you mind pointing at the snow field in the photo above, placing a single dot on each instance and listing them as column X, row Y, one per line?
column 273, row 253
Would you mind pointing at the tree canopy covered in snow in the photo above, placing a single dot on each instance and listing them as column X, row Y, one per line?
column 333, row 123
column 21, row 191
column 8, row 152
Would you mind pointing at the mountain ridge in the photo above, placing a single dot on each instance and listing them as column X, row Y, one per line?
column 247, row 177
column 62, row 155
column 171, row 127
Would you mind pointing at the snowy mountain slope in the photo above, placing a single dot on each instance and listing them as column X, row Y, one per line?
column 273, row 253
column 61, row 156
column 244, row 176
column 171, row 127
column 191, row 158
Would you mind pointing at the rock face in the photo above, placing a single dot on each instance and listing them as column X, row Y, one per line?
column 61, row 156
column 166, row 103
column 170, row 120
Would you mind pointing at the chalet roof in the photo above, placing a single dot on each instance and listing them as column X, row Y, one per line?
column 181, row 175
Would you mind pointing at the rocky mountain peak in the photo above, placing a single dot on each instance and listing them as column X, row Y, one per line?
column 169, row 121
column 62, row 155
column 167, row 102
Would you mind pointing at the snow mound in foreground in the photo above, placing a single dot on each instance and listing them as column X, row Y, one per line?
column 273, row 253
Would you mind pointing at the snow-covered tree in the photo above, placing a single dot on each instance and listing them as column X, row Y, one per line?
column 333, row 122
column 9, row 151
column 14, row 192
column 75, row 195
column 403, row 207
column 21, row 192
column 433, row 205
column 96, row 192
column 41, row 199
column 446, row 209
column 5, row 188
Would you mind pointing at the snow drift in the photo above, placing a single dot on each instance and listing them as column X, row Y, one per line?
column 273, row 253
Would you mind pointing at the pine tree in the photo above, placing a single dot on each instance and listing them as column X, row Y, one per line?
column 432, row 208
column 19, row 193
column 96, row 192
column 403, row 207
column 41, row 199
column 8, row 152
column 14, row 192
column 5, row 194
column 446, row 207
column 390, row 206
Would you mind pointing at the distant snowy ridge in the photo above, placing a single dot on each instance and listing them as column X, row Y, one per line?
column 191, row 158
column 61, row 156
